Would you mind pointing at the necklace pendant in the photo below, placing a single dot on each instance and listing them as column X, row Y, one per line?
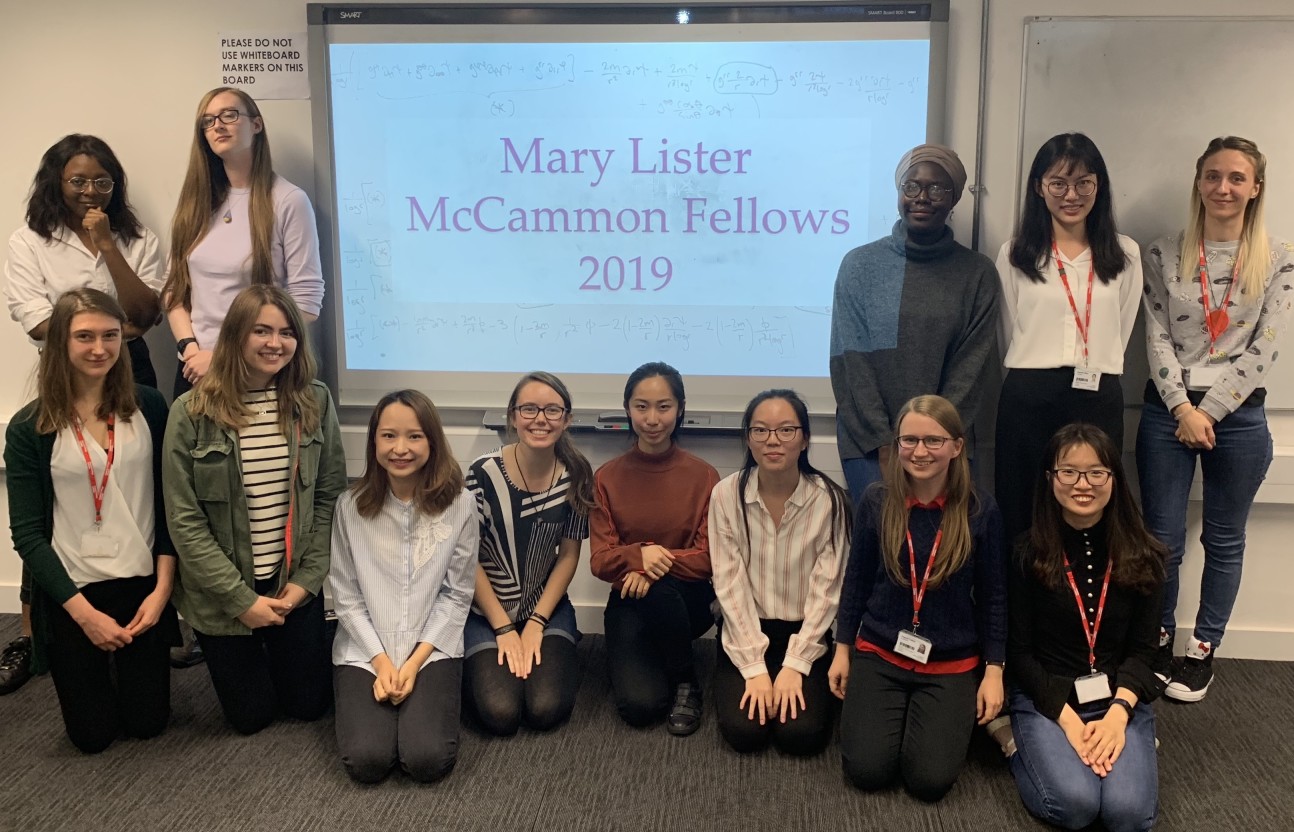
column 228, row 217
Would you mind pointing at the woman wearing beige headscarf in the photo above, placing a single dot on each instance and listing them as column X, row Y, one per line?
column 914, row 313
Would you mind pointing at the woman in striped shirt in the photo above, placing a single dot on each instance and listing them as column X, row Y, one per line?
column 403, row 561
column 779, row 530
column 533, row 498
column 252, row 465
column 922, row 609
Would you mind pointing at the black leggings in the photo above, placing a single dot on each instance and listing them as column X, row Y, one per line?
column 808, row 733
column 649, row 645
column 544, row 700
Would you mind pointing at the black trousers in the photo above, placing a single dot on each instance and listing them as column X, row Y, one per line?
column 897, row 724
column 141, row 364
column 181, row 385
column 285, row 667
column 106, row 694
column 542, row 701
column 1032, row 406
column 808, row 733
column 420, row 734
column 649, row 645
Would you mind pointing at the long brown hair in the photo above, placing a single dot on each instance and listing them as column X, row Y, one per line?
column 1138, row 557
column 219, row 394
column 580, row 494
column 439, row 482
column 205, row 188
column 55, row 379
column 1254, row 251
column 961, row 499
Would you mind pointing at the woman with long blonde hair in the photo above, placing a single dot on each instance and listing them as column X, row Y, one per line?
column 237, row 223
column 253, row 465
column 921, row 633
column 1218, row 297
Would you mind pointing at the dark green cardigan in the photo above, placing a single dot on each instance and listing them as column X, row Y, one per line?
column 30, row 486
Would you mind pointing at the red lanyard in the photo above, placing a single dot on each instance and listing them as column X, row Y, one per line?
column 1215, row 320
column 1090, row 630
column 292, row 504
column 919, row 595
column 1084, row 325
column 97, row 489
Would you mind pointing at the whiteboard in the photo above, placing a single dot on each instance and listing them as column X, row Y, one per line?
column 1152, row 92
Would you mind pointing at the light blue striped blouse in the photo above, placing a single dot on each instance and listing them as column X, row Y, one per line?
column 401, row 578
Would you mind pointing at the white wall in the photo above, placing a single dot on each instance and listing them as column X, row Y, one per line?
column 132, row 71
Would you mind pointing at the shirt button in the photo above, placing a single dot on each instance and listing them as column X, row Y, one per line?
column 1089, row 566
column 1089, row 609
column 1089, row 595
column 1089, row 580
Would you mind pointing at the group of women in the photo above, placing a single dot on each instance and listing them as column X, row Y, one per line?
column 451, row 588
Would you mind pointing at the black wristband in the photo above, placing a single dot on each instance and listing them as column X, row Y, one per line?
column 1122, row 703
column 541, row 619
column 182, row 345
column 510, row 627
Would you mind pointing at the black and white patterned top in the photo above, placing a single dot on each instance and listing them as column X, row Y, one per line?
column 263, row 449
column 520, row 532
column 1176, row 335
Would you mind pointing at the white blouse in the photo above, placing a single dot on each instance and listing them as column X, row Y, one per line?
column 127, row 504
column 1038, row 329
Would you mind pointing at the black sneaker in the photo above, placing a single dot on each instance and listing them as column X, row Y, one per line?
column 189, row 652
column 685, row 716
column 15, row 665
column 1191, row 679
column 1163, row 663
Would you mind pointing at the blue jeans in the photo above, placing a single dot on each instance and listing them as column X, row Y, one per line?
column 860, row 472
column 1232, row 473
column 1056, row 787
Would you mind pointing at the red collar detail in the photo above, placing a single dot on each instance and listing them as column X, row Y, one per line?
column 938, row 502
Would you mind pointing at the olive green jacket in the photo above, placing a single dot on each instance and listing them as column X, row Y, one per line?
column 206, row 510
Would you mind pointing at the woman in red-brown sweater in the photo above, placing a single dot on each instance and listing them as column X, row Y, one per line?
column 648, row 535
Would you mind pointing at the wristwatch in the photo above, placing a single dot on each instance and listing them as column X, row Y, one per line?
column 182, row 345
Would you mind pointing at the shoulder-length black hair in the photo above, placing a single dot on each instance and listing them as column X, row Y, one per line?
column 1033, row 235
column 1138, row 557
column 46, row 210
column 652, row 369
column 842, row 517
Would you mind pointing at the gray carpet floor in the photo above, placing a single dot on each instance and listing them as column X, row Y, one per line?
column 1226, row 764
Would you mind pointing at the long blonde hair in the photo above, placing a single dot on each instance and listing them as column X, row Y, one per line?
column 1254, row 251
column 206, row 186
column 955, row 546
column 219, row 394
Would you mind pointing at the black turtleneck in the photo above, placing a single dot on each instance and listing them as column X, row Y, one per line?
column 1046, row 648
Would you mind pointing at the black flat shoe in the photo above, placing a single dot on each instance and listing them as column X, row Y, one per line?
column 685, row 716
column 15, row 665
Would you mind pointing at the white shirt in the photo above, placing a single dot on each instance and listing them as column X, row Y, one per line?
column 791, row 572
column 401, row 578
column 1037, row 327
column 39, row 270
column 127, row 504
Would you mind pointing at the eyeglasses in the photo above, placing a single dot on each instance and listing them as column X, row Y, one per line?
column 224, row 117
column 935, row 193
column 932, row 443
column 103, row 184
column 1096, row 477
column 1059, row 187
column 785, row 433
column 530, row 411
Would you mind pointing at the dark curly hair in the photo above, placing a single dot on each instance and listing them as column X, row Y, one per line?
column 46, row 210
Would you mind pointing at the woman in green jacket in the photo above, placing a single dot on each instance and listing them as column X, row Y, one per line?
column 252, row 465
column 98, row 551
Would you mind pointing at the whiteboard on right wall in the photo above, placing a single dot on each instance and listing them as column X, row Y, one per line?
column 1152, row 92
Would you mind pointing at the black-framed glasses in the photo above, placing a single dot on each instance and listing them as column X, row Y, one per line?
column 1059, row 187
column 935, row 193
column 228, row 116
column 530, row 411
column 1096, row 477
column 103, row 184
column 933, row 443
column 785, row 433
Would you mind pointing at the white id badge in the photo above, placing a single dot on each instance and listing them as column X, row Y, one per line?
column 1203, row 378
column 912, row 646
column 1085, row 379
column 1091, row 688
column 96, row 544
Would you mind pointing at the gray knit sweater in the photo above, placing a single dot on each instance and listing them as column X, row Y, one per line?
column 907, row 320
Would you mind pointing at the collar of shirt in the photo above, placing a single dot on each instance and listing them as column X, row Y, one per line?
column 68, row 237
column 800, row 496
column 937, row 502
